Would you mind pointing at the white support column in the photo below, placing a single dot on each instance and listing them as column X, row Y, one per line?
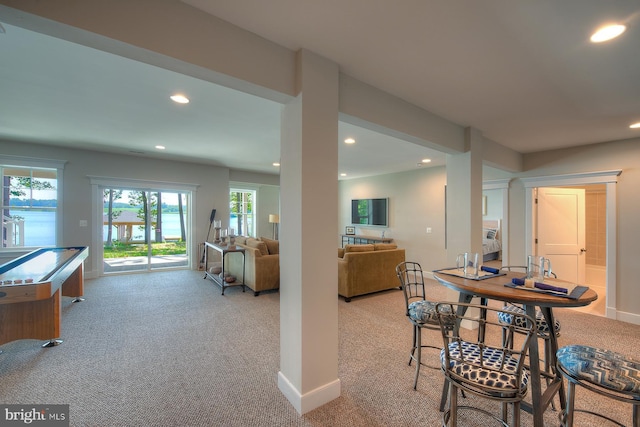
column 308, row 374
column 464, row 201
column 464, row 198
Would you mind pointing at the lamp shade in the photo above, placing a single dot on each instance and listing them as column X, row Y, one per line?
column 274, row 218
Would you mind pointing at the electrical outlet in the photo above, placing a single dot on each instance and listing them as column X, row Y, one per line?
column 428, row 230
column 83, row 223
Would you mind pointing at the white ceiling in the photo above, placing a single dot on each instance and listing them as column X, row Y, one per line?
column 522, row 72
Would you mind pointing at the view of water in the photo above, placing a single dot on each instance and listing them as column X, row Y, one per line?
column 170, row 227
column 39, row 229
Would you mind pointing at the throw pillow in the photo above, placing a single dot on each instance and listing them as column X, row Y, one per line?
column 241, row 240
column 358, row 248
column 260, row 245
column 272, row 245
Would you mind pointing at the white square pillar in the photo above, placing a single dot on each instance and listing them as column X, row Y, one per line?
column 308, row 374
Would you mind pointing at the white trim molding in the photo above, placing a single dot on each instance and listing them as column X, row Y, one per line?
column 100, row 182
column 601, row 177
column 311, row 400
column 502, row 184
column 610, row 179
column 496, row 184
column 107, row 181
column 34, row 163
column 31, row 162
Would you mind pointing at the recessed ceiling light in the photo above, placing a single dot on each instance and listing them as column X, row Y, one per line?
column 635, row 126
column 607, row 32
column 179, row 98
column 426, row 160
column 276, row 164
column 349, row 141
column 343, row 174
column 160, row 147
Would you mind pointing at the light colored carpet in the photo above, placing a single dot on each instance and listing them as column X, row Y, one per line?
column 166, row 349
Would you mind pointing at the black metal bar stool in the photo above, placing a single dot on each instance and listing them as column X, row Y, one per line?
column 542, row 327
column 420, row 312
column 603, row 372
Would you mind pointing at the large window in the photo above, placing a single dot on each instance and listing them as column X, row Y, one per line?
column 29, row 206
column 242, row 210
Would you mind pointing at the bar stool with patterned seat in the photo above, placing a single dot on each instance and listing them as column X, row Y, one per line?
column 602, row 371
column 485, row 368
column 542, row 327
column 419, row 310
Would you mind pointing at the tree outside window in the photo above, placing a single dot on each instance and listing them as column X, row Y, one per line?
column 29, row 206
column 242, row 213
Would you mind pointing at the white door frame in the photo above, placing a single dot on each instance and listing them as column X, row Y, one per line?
column 610, row 179
column 99, row 182
column 502, row 184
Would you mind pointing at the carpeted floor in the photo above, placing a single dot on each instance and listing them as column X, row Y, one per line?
column 166, row 349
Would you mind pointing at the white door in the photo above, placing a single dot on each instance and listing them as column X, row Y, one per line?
column 561, row 231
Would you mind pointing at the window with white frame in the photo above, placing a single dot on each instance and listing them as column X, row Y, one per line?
column 242, row 204
column 29, row 206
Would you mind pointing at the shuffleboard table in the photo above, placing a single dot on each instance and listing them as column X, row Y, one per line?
column 31, row 288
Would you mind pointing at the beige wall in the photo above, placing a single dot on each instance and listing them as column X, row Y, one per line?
column 595, row 224
column 416, row 201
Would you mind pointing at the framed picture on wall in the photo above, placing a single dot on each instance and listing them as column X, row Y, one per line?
column 350, row 230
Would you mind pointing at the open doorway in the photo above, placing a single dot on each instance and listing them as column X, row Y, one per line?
column 570, row 230
column 608, row 203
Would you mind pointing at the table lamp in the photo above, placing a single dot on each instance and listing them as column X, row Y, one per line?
column 275, row 220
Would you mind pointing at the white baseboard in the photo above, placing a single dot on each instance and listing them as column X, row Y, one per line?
column 311, row 400
column 632, row 318
column 90, row 274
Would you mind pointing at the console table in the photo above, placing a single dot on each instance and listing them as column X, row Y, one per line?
column 224, row 250
column 358, row 239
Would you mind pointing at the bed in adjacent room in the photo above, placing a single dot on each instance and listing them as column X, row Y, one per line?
column 491, row 239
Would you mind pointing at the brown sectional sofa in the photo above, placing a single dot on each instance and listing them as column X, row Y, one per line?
column 363, row 269
column 262, row 263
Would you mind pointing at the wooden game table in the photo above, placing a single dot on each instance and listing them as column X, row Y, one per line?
column 31, row 288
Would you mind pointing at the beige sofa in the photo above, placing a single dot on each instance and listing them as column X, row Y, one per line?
column 262, row 263
column 363, row 269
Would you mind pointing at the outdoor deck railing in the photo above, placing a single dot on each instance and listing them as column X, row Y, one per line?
column 12, row 232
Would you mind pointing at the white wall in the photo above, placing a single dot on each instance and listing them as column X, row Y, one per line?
column 267, row 194
column 268, row 203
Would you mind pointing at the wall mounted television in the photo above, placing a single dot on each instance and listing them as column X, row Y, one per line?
column 370, row 212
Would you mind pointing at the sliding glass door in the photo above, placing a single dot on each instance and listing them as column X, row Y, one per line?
column 144, row 230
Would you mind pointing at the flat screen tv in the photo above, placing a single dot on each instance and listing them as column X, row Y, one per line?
column 370, row 212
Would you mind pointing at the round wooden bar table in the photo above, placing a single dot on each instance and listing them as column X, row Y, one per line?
column 494, row 288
